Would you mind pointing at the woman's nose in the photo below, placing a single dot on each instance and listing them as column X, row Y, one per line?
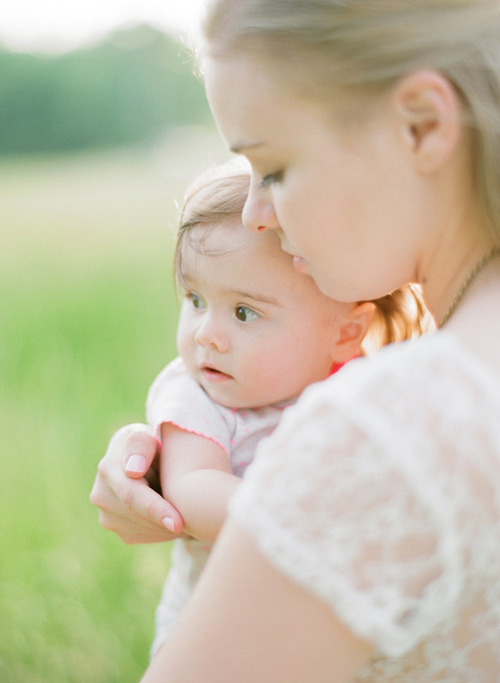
column 210, row 334
column 258, row 212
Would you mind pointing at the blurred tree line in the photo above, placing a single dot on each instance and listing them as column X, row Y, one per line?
column 124, row 90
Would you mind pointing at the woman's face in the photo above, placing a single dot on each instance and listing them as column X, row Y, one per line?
column 343, row 196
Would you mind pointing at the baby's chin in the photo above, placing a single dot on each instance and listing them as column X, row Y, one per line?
column 238, row 402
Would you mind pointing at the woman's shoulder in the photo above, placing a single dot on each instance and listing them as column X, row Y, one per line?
column 427, row 394
column 383, row 479
column 434, row 369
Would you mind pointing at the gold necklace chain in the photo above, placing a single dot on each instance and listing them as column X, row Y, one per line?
column 467, row 282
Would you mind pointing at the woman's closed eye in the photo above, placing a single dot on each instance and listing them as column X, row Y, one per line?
column 271, row 179
column 245, row 314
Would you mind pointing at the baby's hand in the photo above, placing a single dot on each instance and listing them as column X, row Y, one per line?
column 128, row 505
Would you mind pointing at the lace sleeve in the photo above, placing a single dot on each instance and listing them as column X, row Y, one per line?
column 345, row 498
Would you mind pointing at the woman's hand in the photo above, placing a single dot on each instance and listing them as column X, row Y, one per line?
column 126, row 490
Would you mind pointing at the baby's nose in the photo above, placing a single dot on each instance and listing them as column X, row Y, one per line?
column 211, row 334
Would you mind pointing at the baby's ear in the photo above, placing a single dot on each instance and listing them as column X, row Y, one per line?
column 353, row 331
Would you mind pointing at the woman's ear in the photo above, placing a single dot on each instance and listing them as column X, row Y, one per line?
column 353, row 331
column 429, row 113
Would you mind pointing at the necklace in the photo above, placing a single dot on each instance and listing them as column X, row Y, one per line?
column 467, row 282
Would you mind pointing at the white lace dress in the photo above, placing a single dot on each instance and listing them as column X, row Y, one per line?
column 380, row 493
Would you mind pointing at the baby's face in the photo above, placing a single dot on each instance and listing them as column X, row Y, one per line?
column 252, row 330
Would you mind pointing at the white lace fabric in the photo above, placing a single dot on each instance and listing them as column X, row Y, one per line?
column 380, row 493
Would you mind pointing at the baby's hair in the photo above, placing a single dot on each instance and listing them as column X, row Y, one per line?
column 399, row 316
column 366, row 46
column 219, row 195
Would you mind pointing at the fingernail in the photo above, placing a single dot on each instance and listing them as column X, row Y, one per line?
column 169, row 524
column 136, row 463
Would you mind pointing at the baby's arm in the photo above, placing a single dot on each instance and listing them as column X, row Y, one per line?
column 196, row 478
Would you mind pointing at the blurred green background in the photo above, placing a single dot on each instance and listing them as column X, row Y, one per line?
column 96, row 149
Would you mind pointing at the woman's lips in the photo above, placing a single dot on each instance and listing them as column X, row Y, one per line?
column 299, row 263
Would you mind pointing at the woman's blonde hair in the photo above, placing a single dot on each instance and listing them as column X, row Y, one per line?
column 219, row 195
column 367, row 45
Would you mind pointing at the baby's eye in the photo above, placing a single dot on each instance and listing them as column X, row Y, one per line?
column 246, row 315
column 271, row 179
column 196, row 300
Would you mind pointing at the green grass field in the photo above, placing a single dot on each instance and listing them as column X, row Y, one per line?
column 87, row 318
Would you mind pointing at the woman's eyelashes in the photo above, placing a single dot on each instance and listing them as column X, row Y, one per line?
column 271, row 179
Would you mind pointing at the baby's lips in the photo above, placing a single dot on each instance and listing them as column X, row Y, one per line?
column 211, row 371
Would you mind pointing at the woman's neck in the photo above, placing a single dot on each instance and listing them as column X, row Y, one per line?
column 476, row 320
column 455, row 253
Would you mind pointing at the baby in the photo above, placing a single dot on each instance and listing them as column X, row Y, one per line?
column 252, row 334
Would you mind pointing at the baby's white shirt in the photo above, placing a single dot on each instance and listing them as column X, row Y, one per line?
column 176, row 398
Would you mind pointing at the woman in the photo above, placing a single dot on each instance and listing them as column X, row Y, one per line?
column 364, row 541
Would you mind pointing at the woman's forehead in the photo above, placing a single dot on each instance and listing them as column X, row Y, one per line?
column 242, row 93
